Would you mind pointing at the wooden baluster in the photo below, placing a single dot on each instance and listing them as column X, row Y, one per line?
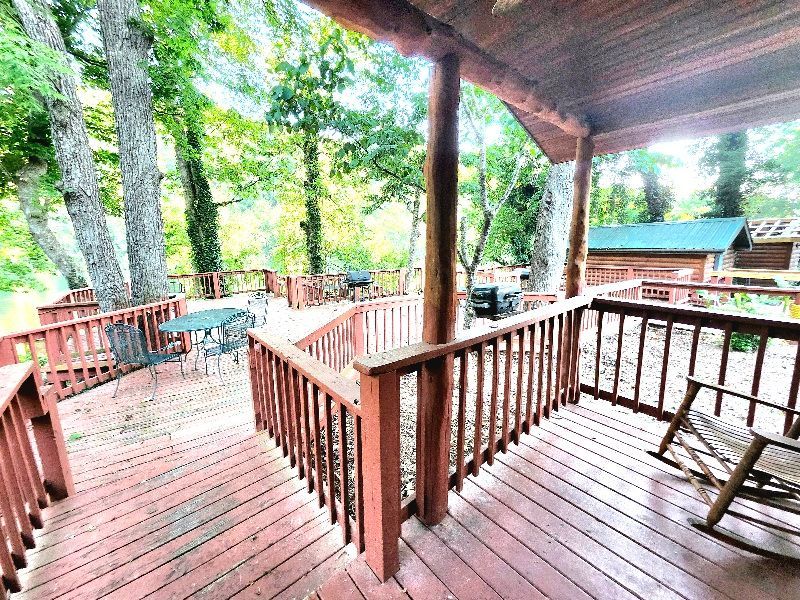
column 67, row 354
column 551, row 323
column 269, row 396
column 281, row 394
column 791, row 402
column 11, row 444
column 19, row 434
column 575, row 354
column 344, row 496
column 598, row 354
column 359, row 483
column 315, row 420
column 331, row 495
column 493, row 400
column 665, row 366
column 303, row 400
column 540, row 398
column 618, row 363
column 520, row 373
column 639, row 363
column 461, row 425
column 477, row 454
column 15, row 493
column 10, row 577
column 529, row 388
column 256, row 383
column 723, row 365
column 762, row 348
column 695, row 342
column 295, row 417
column 507, row 393
column 13, row 533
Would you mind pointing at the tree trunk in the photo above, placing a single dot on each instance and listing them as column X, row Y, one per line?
column 74, row 157
column 550, row 237
column 313, row 188
column 27, row 181
column 416, row 219
column 127, row 52
column 202, row 213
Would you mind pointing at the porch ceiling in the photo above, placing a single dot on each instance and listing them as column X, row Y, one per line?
column 631, row 73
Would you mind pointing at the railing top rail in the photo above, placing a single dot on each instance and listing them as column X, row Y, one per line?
column 11, row 379
column 723, row 287
column 615, row 286
column 67, row 305
column 402, row 358
column 326, row 379
column 234, row 272
column 783, row 328
column 312, row 337
column 103, row 315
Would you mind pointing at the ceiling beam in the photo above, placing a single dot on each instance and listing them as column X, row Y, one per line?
column 413, row 32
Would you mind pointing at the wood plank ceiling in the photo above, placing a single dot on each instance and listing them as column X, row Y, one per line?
column 632, row 71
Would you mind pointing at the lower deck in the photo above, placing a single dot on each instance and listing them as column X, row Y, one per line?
column 180, row 497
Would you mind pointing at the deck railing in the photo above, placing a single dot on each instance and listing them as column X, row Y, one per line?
column 221, row 283
column 32, row 472
column 508, row 378
column 649, row 374
column 366, row 328
column 330, row 288
column 74, row 355
column 313, row 415
column 716, row 294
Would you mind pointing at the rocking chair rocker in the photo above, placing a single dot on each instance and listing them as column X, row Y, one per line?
column 760, row 466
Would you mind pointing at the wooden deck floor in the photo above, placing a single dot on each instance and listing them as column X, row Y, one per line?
column 178, row 497
column 579, row 510
column 181, row 498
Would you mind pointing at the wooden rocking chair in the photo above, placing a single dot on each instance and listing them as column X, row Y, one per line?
column 760, row 466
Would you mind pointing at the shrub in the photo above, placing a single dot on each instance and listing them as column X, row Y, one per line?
column 744, row 342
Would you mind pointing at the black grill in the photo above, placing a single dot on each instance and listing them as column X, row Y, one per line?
column 494, row 299
column 356, row 279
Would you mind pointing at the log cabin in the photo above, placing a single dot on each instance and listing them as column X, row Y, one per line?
column 702, row 245
column 776, row 245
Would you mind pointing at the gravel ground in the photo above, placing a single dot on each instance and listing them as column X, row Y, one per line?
column 775, row 380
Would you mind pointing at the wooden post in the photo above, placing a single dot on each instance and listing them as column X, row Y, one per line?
column 579, row 231
column 215, row 285
column 380, row 405
column 359, row 328
column 401, row 282
column 435, row 383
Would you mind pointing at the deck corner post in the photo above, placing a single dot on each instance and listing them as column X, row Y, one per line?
column 216, row 285
column 359, row 328
column 50, row 444
column 435, row 383
column 380, row 405
column 579, row 229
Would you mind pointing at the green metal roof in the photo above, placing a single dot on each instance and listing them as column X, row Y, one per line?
column 701, row 235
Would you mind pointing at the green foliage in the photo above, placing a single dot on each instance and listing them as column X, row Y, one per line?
column 728, row 158
column 21, row 259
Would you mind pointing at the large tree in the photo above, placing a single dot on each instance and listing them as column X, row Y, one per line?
column 658, row 196
column 304, row 103
column 73, row 154
column 728, row 159
column 127, row 51
column 551, row 235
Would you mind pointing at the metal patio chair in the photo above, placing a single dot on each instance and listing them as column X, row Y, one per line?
column 759, row 466
column 257, row 305
column 129, row 347
column 233, row 338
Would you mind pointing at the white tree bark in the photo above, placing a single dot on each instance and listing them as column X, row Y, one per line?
column 551, row 235
column 74, row 157
column 27, row 181
column 127, row 51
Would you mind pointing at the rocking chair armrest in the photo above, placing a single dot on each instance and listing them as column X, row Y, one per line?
column 726, row 390
column 774, row 439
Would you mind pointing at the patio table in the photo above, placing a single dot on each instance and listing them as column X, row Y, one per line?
column 203, row 320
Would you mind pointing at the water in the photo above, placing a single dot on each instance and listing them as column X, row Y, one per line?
column 18, row 309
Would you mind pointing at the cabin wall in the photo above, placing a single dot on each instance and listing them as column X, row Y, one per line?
column 768, row 257
column 701, row 264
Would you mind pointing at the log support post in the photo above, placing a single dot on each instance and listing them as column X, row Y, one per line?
column 579, row 230
column 435, row 383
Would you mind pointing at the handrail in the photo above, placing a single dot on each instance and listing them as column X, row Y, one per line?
column 32, row 476
column 319, row 374
column 725, row 287
column 401, row 358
